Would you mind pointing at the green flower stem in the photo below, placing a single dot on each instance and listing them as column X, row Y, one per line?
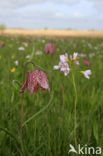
column 75, row 106
column 41, row 111
column 21, row 119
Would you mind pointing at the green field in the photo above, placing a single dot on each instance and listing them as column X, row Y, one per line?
column 50, row 129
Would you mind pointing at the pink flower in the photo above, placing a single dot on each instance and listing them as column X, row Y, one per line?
column 74, row 56
column 21, row 48
column 2, row 44
column 86, row 63
column 64, row 67
column 77, row 63
column 64, row 58
column 36, row 79
column 49, row 48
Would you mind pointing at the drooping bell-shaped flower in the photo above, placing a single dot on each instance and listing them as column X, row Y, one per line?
column 49, row 48
column 2, row 44
column 36, row 79
column 86, row 63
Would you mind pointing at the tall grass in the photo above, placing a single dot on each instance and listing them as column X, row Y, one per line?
column 48, row 121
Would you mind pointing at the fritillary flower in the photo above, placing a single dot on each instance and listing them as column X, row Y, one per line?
column 86, row 63
column 2, row 44
column 49, row 48
column 36, row 79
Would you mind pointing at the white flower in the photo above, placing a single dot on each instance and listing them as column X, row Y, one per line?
column 56, row 67
column 21, row 48
column 87, row 73
column 74, row 56
column 64, row 58
column 77, row 63
column 28, row 56
column 64, row 67
column 38, row 52
column 16, row 62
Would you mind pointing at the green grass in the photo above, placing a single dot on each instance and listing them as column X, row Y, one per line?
column 50, row 132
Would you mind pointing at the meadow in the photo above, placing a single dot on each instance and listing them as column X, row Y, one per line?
column 48, row 119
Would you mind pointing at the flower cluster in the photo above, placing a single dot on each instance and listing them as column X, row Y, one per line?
column 66, row 63
column 63, row 65
column 74, row 58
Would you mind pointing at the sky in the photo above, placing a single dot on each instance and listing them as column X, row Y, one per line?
column 52, row 14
